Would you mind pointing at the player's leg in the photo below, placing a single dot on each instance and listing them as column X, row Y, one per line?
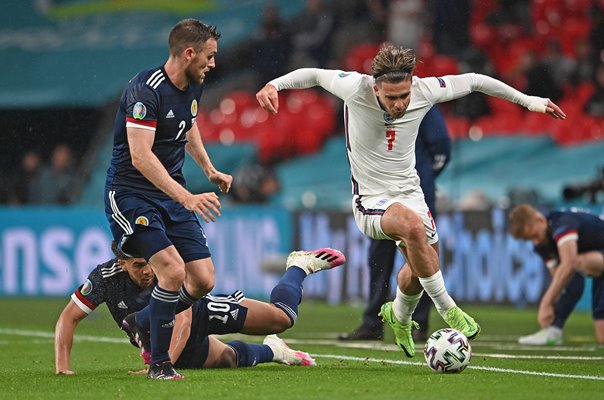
column 287, row 294
column 137, row 226
column 597, row 306
column 189, row 239
column 264, row 318
column 381, row 263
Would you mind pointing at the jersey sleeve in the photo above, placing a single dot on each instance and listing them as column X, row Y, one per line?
column 451, row 87
column 89, row 295
column 142, row 105
column 564, row 229
column 339, row 83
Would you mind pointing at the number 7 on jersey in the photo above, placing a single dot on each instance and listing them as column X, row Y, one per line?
column 391, row 136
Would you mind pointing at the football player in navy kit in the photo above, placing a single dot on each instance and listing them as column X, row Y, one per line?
column 569, row 242
column 125, row 285
column 150, row 212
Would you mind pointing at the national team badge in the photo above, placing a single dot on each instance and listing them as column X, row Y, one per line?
column 194, row 108
column 389, row 118
column 139, row 111
column 142, row 221
column 86, row 288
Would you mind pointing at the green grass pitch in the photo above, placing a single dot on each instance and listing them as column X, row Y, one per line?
column 500, row 369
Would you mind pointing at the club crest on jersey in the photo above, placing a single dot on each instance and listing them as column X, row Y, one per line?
column 142, row 221
column 86, row 288
column 139, row 111
column 389, row 118
column 194, row 108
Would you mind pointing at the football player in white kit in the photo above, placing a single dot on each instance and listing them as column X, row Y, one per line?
column 382, row 114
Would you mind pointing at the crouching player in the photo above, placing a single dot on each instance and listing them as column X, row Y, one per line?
column 125, row 285
column 571, row 243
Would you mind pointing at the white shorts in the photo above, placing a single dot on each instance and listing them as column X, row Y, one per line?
column 368, row 211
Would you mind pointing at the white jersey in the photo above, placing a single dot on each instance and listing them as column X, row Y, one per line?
column 381, row 149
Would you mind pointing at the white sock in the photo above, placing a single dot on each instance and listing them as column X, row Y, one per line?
column 435, row 287
column 404, row 305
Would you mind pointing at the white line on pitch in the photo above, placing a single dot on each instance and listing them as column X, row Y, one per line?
column 492, row 369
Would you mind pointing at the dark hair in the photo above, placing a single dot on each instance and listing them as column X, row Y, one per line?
column 393, row 64
column 118, row 253
column 190, row 32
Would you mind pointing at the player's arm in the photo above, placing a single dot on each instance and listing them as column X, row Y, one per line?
column 146, row 162
column 561, row 276
column 180, row 334
column 305, row 78
column 64, row 332
column 198, row 151
column 464, row 84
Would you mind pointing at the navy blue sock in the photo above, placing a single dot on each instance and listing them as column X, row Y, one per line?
column 287, row 294
column 249, row 355
column 142, row 318
column 162, row 307
column 568, row 299
column 185, row 300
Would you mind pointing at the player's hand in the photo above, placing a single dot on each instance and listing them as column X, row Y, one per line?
column 66, row 372
column 223, row 181
column 206, row 205
column 268, row 98
column 546, row 315
column 553, row 110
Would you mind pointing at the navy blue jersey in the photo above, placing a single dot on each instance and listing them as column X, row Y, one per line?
column 587, row 229
column 150, row 101
column 108, row 283
column 432, row 152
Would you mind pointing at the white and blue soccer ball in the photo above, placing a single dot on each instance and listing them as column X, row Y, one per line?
column 448, row 351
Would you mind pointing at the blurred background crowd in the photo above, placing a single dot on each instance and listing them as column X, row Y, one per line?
column 56, row 110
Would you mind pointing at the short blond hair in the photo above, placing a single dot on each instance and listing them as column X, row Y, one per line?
column 393, row 64
column 520, row 217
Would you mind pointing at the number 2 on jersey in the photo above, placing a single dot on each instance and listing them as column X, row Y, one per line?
column 181, row 127
column 391, row 136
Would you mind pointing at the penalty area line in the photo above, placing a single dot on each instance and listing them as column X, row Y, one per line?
column 478, row 367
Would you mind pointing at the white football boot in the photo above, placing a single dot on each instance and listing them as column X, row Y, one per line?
column 282, row 354
column 316, row 260
column 550, row 336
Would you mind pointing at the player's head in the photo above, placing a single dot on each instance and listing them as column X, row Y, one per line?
column 392, row 70
column 137, row 268
column 196, row 44
column 526, row 222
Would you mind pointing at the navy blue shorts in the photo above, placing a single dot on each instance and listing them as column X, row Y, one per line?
column 142, row 225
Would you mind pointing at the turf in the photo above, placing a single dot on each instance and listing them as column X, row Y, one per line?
column 500, row 368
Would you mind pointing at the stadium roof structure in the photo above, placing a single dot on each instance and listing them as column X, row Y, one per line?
column 80, row 53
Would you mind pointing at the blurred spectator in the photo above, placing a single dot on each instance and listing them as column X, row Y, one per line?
column 312, row 36
column 531, row 75
column 584, row 65
column 254, row 184
column 595, row 105
column 557, row 63
column 405, row 23
column 21, row 181
column 450, row 27
column 54, row 183
column 474, row 105
column 271, row 45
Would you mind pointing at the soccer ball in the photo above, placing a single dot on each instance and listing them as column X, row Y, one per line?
column 448, row 351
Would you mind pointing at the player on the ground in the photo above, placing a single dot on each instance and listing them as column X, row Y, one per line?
column 125, row 284
column 150, row 212
column 569, row 242
column 382, row 114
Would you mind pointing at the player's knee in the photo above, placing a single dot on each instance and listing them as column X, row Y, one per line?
column 282, row 323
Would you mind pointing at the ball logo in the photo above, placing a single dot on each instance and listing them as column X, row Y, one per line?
column 194, row 108
column 139, row 111
column 142, row 221
column 86, row 288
